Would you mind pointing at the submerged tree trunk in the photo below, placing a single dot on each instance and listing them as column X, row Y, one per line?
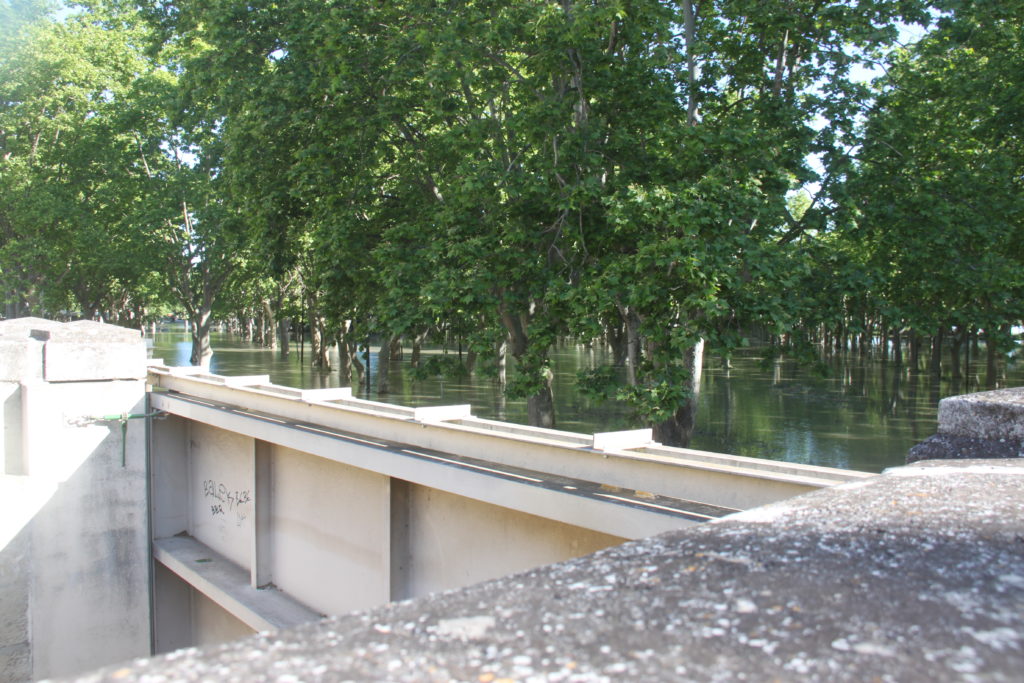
column 632, row 323
column 202, row 352
column 384, row 366
column 344, row 361
column 954, row 352
column 502, row 364
column 678, row 429
column 284, row 326
column 269, row 326
column 935, row 364
column 540, row 408
column 417, row 347
column 991, row 369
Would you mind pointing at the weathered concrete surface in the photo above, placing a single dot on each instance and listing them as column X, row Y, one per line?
column 989, row 424
column 952, row 447
column 987, row 415
column 74, row 560
column 917, row 574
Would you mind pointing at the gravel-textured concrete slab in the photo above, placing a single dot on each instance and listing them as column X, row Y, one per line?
column 917, row 574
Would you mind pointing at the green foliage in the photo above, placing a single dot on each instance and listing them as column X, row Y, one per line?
column 507, row 173
column 939, row 201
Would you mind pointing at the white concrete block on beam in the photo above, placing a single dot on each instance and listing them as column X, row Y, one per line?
column 246, row 380
column 227, row 584
column 187, row 370
column 442, row 413
column 332, row 394
column 619, row 441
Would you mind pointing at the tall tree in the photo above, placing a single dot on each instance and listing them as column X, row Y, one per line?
column 939, row 196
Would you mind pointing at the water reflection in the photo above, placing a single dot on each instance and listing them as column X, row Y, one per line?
column 853, row 411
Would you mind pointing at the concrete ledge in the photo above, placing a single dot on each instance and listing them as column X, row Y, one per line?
column 917, row 574
column 228, row 585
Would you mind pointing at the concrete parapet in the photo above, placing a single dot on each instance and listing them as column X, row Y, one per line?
column 917, row 574
column 988, row 424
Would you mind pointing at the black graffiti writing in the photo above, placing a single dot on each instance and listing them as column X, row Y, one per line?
column 232, row 498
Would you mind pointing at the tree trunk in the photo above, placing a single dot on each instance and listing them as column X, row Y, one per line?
column 935, row 364
column 502, row 364
column 284, row 326
column 616, row 337
column 632, row 323
column 991, row 368
column 202, row 352
column 540, row 408
column 396, row 349
column 968, row 346
column 954, row 352
column 344, row 361
column 417, row 347
column 915, row 349
column 384, row 366
column 269, row 326
column 678, row 429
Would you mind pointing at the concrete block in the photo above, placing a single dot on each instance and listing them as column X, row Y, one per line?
column 94, row 361
column 618, row 441
column 989, row 424
column 20, row 359
column 442, row 413
column 987, row 415
column 31, row 348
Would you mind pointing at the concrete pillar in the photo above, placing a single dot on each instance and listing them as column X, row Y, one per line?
column 988, row 424
column 74, row 560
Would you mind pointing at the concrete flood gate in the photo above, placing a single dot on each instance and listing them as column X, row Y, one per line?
column 245, row 507
column 273, row 506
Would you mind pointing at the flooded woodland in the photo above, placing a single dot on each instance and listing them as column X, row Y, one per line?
column 848, row 410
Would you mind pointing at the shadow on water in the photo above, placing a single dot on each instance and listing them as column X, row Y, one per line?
column 853, row 411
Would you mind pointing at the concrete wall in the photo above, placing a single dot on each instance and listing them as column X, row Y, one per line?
column 74, row 555
column 443, row 541
column 330, row 537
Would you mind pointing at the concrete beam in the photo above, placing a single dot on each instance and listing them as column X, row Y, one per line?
column 589, row 505
column 716, row 479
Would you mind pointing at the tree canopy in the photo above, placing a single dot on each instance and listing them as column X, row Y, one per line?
column 666, row 176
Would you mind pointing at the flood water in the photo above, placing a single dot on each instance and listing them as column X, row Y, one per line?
column 852, row 412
